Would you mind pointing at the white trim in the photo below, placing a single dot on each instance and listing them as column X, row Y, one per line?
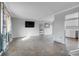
column 59, row 42
column 66, row 9
column 74, row 50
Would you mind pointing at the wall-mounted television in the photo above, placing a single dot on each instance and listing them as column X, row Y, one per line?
column 29, row 24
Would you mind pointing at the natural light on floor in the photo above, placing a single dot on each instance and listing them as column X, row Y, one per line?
column 26, row 38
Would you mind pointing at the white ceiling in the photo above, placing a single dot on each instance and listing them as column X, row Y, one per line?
column 37, row 10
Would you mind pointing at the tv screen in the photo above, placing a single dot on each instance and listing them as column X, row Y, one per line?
column 29, row 24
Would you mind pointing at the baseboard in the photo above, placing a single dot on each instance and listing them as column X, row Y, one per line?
column 24, row 36
column 74, row 52
column 59, row 42
column 17, row 37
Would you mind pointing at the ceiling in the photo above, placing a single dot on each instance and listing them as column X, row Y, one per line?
column 37, row 10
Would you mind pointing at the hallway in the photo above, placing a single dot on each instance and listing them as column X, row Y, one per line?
column 36, row 46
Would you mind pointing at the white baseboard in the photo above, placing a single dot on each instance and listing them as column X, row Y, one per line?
column 73, row 52
column 59, row 42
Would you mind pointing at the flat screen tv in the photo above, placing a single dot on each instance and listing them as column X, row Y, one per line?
column 29, row 24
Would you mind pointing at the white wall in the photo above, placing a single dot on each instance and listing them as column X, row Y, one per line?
column 59, row 28
column 19, row 29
